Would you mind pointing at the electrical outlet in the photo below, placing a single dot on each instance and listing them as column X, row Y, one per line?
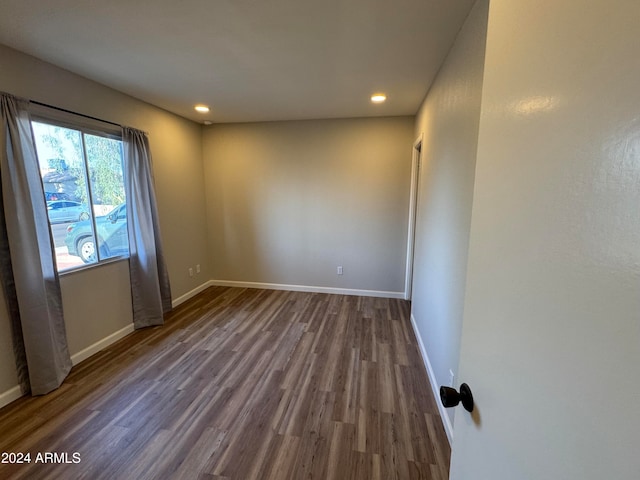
column 339, row 269
column 198, row 268
column 451, row 378
column 190, row 272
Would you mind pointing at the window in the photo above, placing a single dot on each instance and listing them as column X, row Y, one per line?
column 82, row 176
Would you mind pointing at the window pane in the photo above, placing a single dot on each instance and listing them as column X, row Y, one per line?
column 64, row 180
column 104, row 159
column 83, row 180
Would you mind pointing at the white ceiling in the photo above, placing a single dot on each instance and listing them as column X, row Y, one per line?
column 250, row 60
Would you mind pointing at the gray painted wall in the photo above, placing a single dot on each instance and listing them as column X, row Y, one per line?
column 288, row 202
column 448, row 120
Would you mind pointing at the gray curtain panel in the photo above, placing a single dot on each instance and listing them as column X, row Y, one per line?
column 11, row 299
column 36, row 308
column 150, row 290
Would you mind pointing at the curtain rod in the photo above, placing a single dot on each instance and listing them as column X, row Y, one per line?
column 76, row 113
column 72, row 112
column 82, row 115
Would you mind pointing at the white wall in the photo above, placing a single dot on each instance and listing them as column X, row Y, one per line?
column 290, row 201
column 551, row 337
column 177, row 153
column 448, row 120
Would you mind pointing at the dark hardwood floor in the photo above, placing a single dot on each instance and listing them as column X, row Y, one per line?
column 242, row 384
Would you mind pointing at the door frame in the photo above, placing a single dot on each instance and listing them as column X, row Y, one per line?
column 413, row 209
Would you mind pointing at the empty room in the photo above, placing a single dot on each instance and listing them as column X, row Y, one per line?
column 340, row 240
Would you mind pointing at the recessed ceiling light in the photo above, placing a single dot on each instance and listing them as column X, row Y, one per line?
column 378, row 98
column 202, row 108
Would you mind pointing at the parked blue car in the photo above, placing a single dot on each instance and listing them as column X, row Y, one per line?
column 113, row 237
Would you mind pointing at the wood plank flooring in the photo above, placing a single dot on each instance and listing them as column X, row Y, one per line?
column 243, row 384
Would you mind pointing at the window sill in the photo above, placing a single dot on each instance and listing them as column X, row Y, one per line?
column 90, row 266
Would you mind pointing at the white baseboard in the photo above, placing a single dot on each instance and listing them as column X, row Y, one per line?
column 446, row 421
column 306, row 288
column 15, row 393
column 101, row 344
column 191, row 294
column 10, row 395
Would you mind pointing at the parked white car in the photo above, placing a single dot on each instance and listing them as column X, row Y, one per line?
column 63, row 211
